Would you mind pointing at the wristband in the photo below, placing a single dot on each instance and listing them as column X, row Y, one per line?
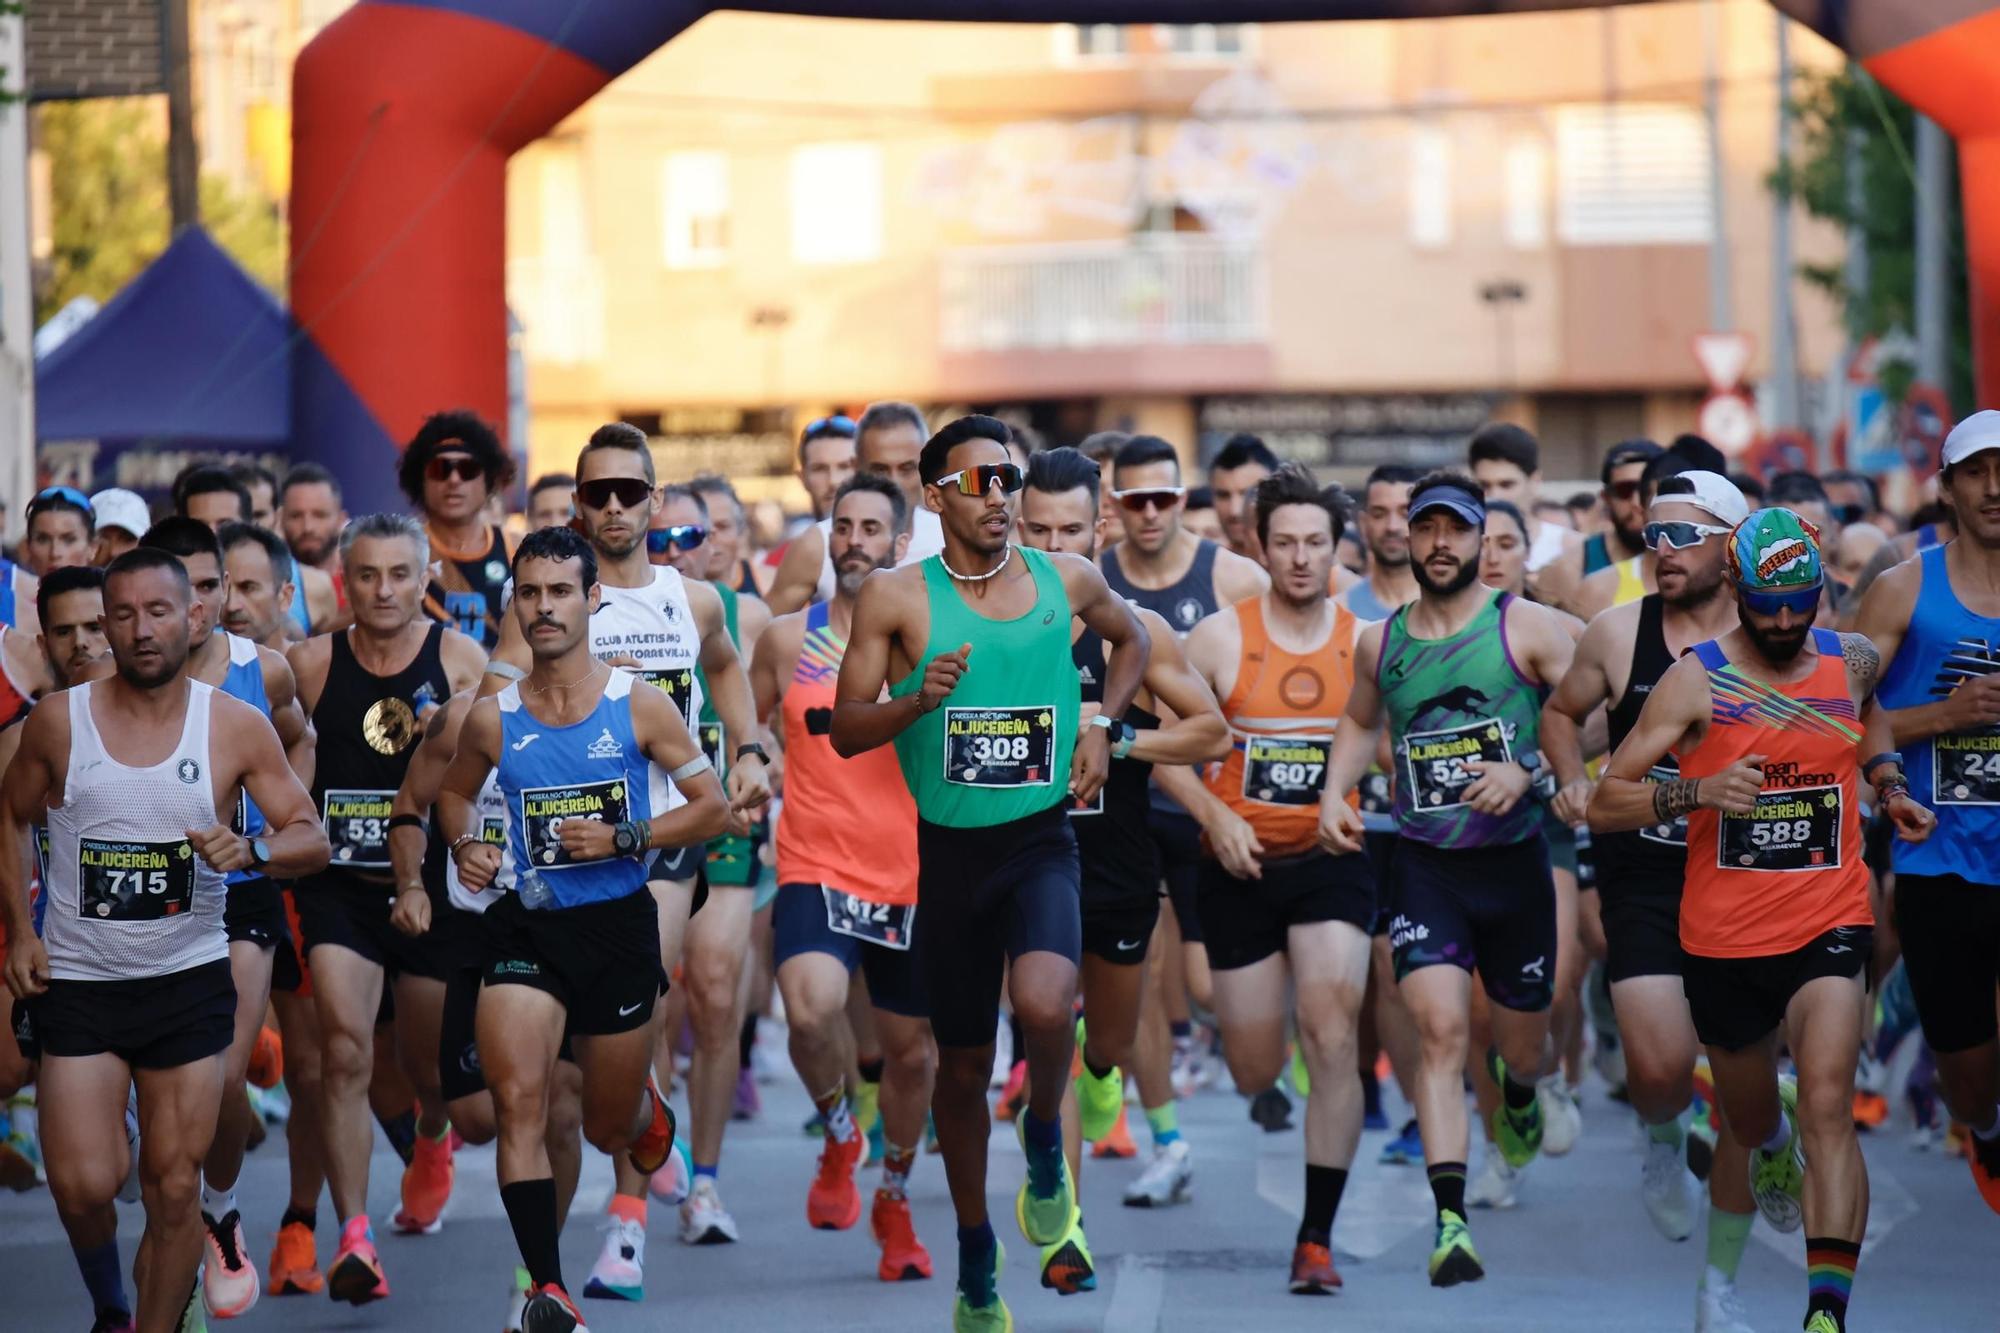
column 505, row 670
column 460, row 841
column 1886, row 757
column 698, row 764
column 1890, row 789
column 406, row 821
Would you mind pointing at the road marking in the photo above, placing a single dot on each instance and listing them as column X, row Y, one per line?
column 1138, row 1294
column 1890, row 1203
column 1379, row 1209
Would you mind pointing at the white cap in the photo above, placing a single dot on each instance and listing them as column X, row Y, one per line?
column 120, row 508
column 1713, row 493
column 1976, row 434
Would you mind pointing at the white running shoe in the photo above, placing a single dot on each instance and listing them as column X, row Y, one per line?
column 704, row 1221
column 620, row 1271
column 1562, row 1118
column 1717, row 1308
column 1165, row 1180
column 1672, row 1194
column 1496, row 1183
column 1003, row 1053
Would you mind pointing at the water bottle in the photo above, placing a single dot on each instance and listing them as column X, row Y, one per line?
column 535, row 893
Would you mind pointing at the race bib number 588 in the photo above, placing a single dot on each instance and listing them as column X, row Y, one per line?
column 1789, row 830
column 999, row 747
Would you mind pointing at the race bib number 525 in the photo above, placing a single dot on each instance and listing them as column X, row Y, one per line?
column 1435, row 762
column 999, row 747
column 543, row 810
column 1789, row 830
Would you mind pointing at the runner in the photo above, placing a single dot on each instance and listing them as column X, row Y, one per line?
column 575, row 946
column 1622, row 478
column 1280, row 915
column 1507, row 463
column 121, row 516
column 263, row 488
column 1770, row 723
column 367, row 691
column 1175, row 723
column 62, row 530
column 132, row 982
column 1459, row 674
column 254, row 911
column 958, row 642
column 1630, row 579
column 311, row 519
column 551, row 501
column 728, row 529
column 261, row 593
column 1242, row 462
column 847, row 867
column 1937, row 621
column 211, row 495
column 1619, row 663
column 826, row 461
column 450, row 468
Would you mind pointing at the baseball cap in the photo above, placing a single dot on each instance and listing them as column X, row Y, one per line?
column 1468, row 505
column 1710, row 492
column 120, row 508
column 1976, row 434
column 1774, row 550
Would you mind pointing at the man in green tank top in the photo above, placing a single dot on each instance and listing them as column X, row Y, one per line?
column 973, row 648
column 1461, row 673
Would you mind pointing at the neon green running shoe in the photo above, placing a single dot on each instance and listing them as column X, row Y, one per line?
column 979, row 1308
column 1518, row 1134
column 1778, row 1179
column 1046, row 1204
column 1822, row 1322
column 868, row 1119
column 1453, row 1260
column 1067, row 1267
column 1097, row 1099
column 1301, row 1076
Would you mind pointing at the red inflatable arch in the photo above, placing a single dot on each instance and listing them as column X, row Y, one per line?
column 406, row 111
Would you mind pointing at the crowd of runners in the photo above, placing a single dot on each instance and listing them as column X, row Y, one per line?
column 459, row 829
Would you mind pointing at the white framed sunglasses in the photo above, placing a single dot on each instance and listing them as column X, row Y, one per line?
column 1678, row 535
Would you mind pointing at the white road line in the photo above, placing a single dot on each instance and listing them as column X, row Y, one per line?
column 1889, row 1204
column 1138, row 1293
column 1379, row 1209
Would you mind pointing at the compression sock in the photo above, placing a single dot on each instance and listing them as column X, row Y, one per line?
column 102, row 1278
column 708, row 1170
column 1830, row 1275
column 1727, row 1233
column 976, row 1245
column 835, row 1111
column 897, row 1163
column 1324, row 1185
column 531, row 1207
column 1041, row 1135
column 1097, row 1070
column 1165, row 1122
column 401, row 1131
column 1448, row 1186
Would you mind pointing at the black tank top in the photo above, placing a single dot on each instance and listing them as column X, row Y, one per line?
column 1181, row 604
column 472, row 593
column 367, row 729
column 1658, row 853
column 1112, row 845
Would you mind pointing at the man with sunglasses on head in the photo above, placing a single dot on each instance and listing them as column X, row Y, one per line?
column 1774, row 725
column 1619, row 662
column 826, row 460
column 1622, row 479
column 972, row 648
column 450, row 469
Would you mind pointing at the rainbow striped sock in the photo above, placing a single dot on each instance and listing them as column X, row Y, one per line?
column 1830, row 1265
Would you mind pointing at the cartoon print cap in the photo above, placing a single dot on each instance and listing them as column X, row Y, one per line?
column 1774, row 549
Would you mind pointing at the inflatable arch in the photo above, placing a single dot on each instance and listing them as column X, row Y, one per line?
column 406, row 111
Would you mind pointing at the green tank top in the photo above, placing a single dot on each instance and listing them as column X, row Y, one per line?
column 1450, row 701
column 732, row 857
column 998, row 748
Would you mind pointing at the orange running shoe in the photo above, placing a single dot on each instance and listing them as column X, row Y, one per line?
column 356, row 1276
column 1313, row 1273
column 1871, row 1110
column 267, row 1060
column 426, row 1187
column 550, row 1310
column 904, row 1258
column 295, row 1262
column 1118, row 1143
column 832, row 1202
column 648, row 1153
column 1984, row 1156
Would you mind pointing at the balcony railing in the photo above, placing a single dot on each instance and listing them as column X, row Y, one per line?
column 1148, row 290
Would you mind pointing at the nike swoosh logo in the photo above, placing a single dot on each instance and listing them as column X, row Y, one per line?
column 629, row 1010
column 1127, row 946
column 526, row 741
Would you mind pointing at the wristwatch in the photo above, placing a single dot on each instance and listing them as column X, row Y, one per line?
column 629, row 837
column 752, row 748
column 260, row 853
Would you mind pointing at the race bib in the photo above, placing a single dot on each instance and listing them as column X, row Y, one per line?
column 543, row 810
column 1674, row 834
column 877, row 923
column 1284, row 770
column 493, row 830
column 1965, row 768
column 999, row 747
column 357, row 825
column 709, row 736
column 1434, row 762
column 1094, row 807
column 1789, row 830
column 133, row 881
column 1376, row 798
column 678, row 682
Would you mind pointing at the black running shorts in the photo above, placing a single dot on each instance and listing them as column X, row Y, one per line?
column 339, row 908
column 1244, row 921
column 600, row 960
column 1178, row 838
column 1737, row 1002
column 1950, row 928
column 149, row 1023
column 1487, row 908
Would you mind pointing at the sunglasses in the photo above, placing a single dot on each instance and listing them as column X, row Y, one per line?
column 839, row 424
column 65, row 494
column 1161, row 498
column 979, row 480
column 682, row 536
column 1799, row 601
column 630, row 492
column 1622, row 490
column 1679, row 536
column 446, row 466
column 1846, row 514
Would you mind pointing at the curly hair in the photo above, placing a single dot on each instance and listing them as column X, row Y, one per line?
column 460, row 430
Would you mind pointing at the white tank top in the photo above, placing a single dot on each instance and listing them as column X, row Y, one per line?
column 655, row 627
column 1548, row 544
column 926, row 536
column 823, row 590
column 128, row 896
column 491, row 812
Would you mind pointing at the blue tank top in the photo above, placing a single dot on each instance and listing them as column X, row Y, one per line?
column 300, row 613
column 1957, row 774
column 1365, row 605
column 592, row 769
column 8, row 573
column 245, row 680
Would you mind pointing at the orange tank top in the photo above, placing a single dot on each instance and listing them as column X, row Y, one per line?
column 1770, row 882
column 1282, row 712
column 848, row 824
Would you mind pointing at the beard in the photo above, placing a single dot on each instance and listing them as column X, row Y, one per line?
column 1697, row 589
column 1774, row 646
column 173, row 656
column 851, row 571
column 1458, row 582
column 618, row 551
column 1397, row 560
column 307, row 552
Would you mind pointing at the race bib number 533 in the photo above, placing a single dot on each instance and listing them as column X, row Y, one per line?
column 1789, row 830
column 133, row 881
column 543, row 810
column 999, row 747
column 1435, row 762
column 357, row 824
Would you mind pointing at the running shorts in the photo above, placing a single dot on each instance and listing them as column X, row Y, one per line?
column 149, row 1022
column 799, row 924
column 600, row 960
column 1178, row 837
column 1950, row 928
column 339, row 908
column 1490, row 909
column 1737, row 1002
column 1245, row 921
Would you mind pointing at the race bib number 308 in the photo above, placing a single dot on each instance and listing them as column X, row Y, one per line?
column 357, row 824
column 1965, row 768
column 543, row 810
column 999, row 747
column 133, row 881
column 1435, row 762
column 1284, row 770
column 1789, row 830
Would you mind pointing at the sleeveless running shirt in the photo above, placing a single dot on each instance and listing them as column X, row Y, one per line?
column 15, row 698
column 998, row 747
column 654, row 626
column 1449, row 701
column 848, row 824
column 732, row 857
column 1955, row 775
column 127, row 895
column 1596, row 553
column 1631, row 582
column 1366, row 606
column 1547, row 545
column 1112, row 842
column 1774, row 880
column 300, row 614
column 1658, row 852
column 367, row 727
column 245, row 680
column 592, row 769
column 10, row 577
column 1182, row 603
column 470, row 591
column 1282, row 712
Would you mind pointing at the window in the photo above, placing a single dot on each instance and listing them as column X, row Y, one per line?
column 694, row 205
column 1525, row 170
column 1632, row 175
column 1098, row 41
column 1430, row 187
column 837, row 203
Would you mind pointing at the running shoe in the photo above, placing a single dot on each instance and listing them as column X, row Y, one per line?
column 1518, row 1134
column 704, row 1221
column 747, row 1103
column 1015, row 1094
column 1823, row 1322
column 194, row 1315
column 1717, row 1307
column 978, row 1307
column 356, row 1276
column 1778, row 1179
column 1272, row 1109
column 620, row 1271
column 1098, row 1100
column 669, row 1184
column 1045, row 1205
column 1670, row 1191
column 550, row 1310
column 228, row 1278
column 832, row 1201
column 1118, row 1143
column 1871, row 1110
column 904, row 1258
column 114, row 1321
column 1983, row 1155
column 295, row 1262
column 1313, row 1273
column 1495, row 1184
column 427, row 1184
column 1165, row 1180
column 517, row 1301
column 1562, row 1118
column 649, row 1152
column 1066, row 1266
column 1406, row 1149
column 1453, row 1260
column 267, row 1060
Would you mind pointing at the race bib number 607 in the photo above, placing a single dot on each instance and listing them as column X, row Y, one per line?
column 1284, row 770
column 999, row 747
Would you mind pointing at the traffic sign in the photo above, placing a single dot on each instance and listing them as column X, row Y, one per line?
column 1723, row 357
column 1728, row 420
